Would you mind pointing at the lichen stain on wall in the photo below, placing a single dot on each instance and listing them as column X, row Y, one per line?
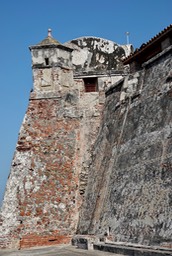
column 92, row 53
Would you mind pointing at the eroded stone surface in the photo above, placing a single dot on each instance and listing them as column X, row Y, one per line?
column 97, row 54
column 129, row 189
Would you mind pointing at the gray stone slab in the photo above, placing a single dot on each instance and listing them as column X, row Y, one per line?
column 133, row 250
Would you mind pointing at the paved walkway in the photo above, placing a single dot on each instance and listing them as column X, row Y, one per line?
column 65, row 250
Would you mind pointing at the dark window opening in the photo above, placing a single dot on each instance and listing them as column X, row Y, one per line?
column 46, row 61
column 90, row 84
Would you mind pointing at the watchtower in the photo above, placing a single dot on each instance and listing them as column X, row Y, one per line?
column 52, row 66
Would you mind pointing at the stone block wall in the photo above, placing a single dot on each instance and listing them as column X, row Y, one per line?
column 129, row 184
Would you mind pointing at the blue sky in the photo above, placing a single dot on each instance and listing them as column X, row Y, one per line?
column 25, row 22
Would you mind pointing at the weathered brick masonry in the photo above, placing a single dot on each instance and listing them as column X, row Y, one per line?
column 45, row 164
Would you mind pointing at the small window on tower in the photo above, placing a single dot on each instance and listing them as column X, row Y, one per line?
column 46, row 61
column 90, row 84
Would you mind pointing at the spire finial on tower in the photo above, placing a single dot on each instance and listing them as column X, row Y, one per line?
column 127, row 35
column 49, row 32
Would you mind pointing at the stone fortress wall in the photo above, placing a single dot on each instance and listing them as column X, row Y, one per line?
column 129, row 188
column 94, row 150
column 50, row 167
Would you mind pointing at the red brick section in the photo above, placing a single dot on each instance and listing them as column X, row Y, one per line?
column 48, row 199
column 167, row 245
column 38, row 240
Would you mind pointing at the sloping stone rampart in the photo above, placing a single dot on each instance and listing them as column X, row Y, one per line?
column 129, row 184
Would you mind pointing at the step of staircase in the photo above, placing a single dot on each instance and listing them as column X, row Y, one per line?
column 132, row 250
